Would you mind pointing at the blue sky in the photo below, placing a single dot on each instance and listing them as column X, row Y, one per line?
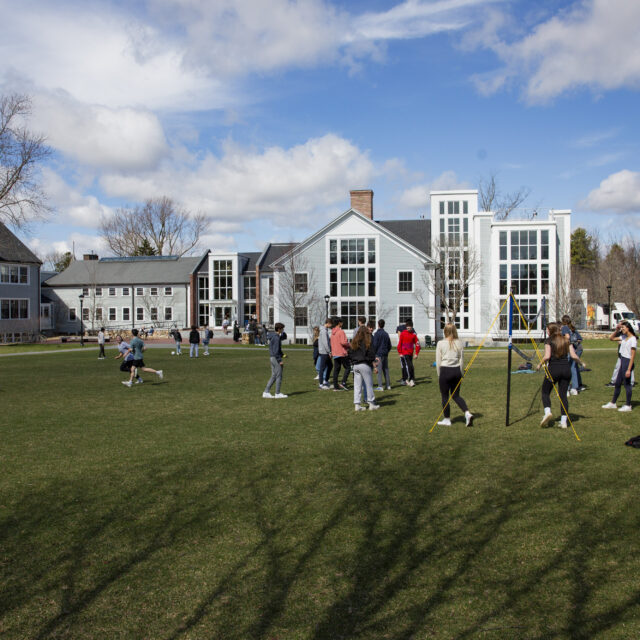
column 264, row 114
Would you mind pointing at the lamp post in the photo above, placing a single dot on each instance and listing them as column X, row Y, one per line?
column 326, row 305
column 81, row 298
column 609, row 294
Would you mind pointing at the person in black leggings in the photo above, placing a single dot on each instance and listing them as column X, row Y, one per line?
column 557, row 352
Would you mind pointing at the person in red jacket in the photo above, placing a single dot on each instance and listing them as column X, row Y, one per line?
column 407, row 341
column 339, row 346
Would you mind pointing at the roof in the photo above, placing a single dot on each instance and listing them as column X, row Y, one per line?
column 272, row 252
column 13, row 250
column 252, row 260
column 126, row 271
column 415, row 232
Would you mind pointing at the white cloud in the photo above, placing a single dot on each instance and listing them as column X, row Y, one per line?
column 594, row 138
column 595, row 45
column 417, row 197
column 619, row 192
column 125, row 139
column 288, row 186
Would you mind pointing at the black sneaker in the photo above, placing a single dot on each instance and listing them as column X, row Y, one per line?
column 609, row 384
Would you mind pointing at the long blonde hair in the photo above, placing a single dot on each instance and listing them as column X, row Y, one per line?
column 451, row 334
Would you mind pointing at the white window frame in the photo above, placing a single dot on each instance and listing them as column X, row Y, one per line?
column 306, row 309
column 126, row 291
column 73, row 314
column 112, row 291
column 168, row 317
column 98, row 292
column 413, row 281
column 17, row 300
column 413, row 319
column 139, row 291
column 99, row 314
column 85, row 292
column 128, row 310
column 8, row 267
column 138, row 314
column 153, row 291
column 168, row 291
column 153, row 311
column 301, row 273
column 112, row 311
column 86, row 312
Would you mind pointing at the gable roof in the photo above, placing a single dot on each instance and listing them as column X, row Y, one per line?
column 272, row 253
column 13, row 250
column 415, row 232
column 126, row 271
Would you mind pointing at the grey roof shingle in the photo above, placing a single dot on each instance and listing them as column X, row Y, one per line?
column 415, row 232
column 274, row 251
column 126, row 271
column 13, row 250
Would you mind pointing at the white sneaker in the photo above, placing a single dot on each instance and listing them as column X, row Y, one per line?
column 573, row 392
column 468, row 419
column 563, row 423
column 411, row 383
column 160, row 374
column 609, row 405
column 445, row 422
column 127, row 383
column 378, row 389
column 388, row 388
column 359, row 407
column 266, row 394
column 373, row 406
column 281, row 395
column 546, row 419
column 139, row 381
column 317, row 378
column 625, row 408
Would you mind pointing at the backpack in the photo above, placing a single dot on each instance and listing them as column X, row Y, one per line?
column 633, row 442
column 210, row 334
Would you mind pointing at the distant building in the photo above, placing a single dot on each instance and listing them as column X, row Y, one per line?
column 19, row 289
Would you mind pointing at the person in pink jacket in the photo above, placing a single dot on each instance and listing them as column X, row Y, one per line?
column 407, row 341
column 339, row 346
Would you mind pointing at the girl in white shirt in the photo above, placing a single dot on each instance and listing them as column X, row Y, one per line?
column 450, row 368
column 624, row 334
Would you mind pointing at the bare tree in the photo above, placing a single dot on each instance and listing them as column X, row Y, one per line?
column 457, row 264
column 493, row 199
column 296, row 289
column 159, row 224
column 21, row 152
column 57, row 260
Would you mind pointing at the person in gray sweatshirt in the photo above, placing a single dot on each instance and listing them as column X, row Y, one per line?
column 324, row 353
column 274, row 340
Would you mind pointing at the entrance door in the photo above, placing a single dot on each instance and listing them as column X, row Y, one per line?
column 220, row 313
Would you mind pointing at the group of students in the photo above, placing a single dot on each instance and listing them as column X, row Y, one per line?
column 367, row 354
column 196, row 336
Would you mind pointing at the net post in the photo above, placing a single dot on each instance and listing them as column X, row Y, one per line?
column 510, row 354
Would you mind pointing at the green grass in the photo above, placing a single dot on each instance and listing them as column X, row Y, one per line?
column 193, row 508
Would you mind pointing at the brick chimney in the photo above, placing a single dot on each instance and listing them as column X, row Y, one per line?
column 362, row 201
column 90, row 256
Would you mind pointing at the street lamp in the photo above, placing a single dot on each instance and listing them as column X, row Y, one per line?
column 81, row 298
column 326, row 304
column 609, row 294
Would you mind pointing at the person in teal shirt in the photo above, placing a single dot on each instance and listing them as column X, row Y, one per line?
column 137, row 347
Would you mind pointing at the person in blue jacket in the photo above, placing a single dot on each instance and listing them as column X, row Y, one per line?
column 274, row 340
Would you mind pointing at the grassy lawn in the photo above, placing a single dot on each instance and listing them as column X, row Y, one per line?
column 193, row 508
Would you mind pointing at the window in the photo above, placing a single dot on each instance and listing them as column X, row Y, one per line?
column 98, row 314
column 85, row 291
column 465, row 207
column 153, row 291
column 203, row 287
column 222, row 280
column 503, row 245
column 453, row 208
column 249, row 310
column 372, row 282
column 271, row 316
column 301, row 341
column 524, row 278
column 168, row 291
column 372, row 311
column 113, row 314
column 333, row 283
column 125, row 291
column 301, row 317
column 524, row 245
column 139, row 291
column 139, row 313
column 271, row 286
column 300, row 282
column 153, row 313
column 453, row 228
column 126, row 314
column 351, row 282
column 14, row 274
column 85, row 314
column 168, row 314
column 333, row 252
column 371, row 250
column 529, row 309
column 349, row 311
column 405, row 313
column 98, row 292
column 544, row 279
column 544, row 244
column 72, row 315
column 442, row 208
column 405, row 281
column 250, row 287
column 14, row 309
column 112, row 291
column 352, row 251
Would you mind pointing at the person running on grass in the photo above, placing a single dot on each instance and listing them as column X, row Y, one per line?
column 557, row 351
column 274, row 340
column 363, row 358
column 407, row 341
column 124, row 352
column 450, row 369
column 137, row 347
column 624, row 334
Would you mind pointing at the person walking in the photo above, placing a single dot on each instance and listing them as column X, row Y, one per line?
column 382, row 347
column 177, row 337
column 101, row 355
column 450, row 370
column 626, row 336
column 573, row 336
column 124, row 352
column 137, row 347
column 225, row 324
column 274, row 341
column 363, row 359
column 557, row 351
column 407, row 341
column 339, row 346
column 324, row 352
column 194, row 341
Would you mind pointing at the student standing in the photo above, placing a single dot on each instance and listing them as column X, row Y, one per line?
column 363, row 358
column 557, row 351
column 194, row 342
column 177, row 336
column 624, row 334
column 407, row 342
column 274, row 340
column 316, row 355
column 137, row 347
column 382, row 347
column 573, row 336
column 206, row 335
column 324, row 351
column 450, row 369
column 101, row 355
column 339, row 346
